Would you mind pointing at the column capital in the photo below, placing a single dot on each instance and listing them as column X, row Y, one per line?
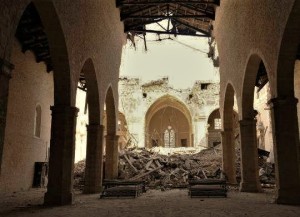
column 282, row 101
column 6, row 68
column 247, row 122
column 62, row 109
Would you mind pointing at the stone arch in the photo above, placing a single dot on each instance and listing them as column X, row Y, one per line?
column 58, row 51
column 228, row 134
column 111, row 120
column 162, row 103
column 94, row 150
column 63, row 114
column 289, row 48
column 251, row 72
column 286, row 127
column 93, row 98
column 228, row 103
column 111, row 142
column 255, row 70
column 214, row 129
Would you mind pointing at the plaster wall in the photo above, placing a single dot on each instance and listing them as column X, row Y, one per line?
column 30, row 86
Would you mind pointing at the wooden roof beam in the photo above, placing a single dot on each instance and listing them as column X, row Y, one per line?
column 121, row 3
column 134, row 12
column 192, row 27
column 171, row 33
column 209, row 14
column 165, row 17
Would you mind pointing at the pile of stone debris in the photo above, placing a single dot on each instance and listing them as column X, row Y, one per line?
column 171, row 168
column 163, row 167
column 160, row 168
column 79, row 169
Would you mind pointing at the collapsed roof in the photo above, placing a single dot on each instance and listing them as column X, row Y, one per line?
column 185, row 17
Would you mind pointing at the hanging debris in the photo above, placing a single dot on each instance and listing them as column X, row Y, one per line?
column 213, row 53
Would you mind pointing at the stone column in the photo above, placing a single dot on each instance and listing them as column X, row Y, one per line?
column 228, row 147
column 94, row 159
column 249, row 157
column 112, row 157
column 62, row 151
column 5, row 75
column 286, row 149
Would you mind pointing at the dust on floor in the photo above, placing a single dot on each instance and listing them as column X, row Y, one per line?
column 154, row 203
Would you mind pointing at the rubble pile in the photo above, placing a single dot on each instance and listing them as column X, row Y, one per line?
column 169, row 170
column 79, row 169
column 266, row 172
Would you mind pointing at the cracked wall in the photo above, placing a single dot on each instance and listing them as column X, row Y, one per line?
column 135, row 99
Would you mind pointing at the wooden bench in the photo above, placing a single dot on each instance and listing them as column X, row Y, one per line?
column 122, row 191
column 207, row 188
column 122, row 188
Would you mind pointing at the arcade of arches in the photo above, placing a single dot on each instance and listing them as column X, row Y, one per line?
column 48, row 46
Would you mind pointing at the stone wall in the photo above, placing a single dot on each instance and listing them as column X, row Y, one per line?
column 264, row 122
column 136, row 98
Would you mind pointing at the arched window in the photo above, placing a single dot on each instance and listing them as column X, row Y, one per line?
column 38, row 120
column 169, row 137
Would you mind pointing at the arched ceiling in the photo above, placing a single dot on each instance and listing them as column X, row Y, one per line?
column 167, row 101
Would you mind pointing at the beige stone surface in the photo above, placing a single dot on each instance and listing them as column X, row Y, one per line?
column 77, row 32
column 244, row 28
column 171, row 203
column 30, row 86
column 139, row 101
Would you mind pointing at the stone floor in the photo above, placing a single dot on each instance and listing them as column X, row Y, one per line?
column 154, row 203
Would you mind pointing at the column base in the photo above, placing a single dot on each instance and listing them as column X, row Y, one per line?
column 291, row 197
column 250, row 187
column 53, row 199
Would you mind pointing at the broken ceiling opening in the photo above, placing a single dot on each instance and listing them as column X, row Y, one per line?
column 186, row 17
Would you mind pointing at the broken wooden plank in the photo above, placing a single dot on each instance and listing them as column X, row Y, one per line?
column 130, row 163
column 144, row 174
